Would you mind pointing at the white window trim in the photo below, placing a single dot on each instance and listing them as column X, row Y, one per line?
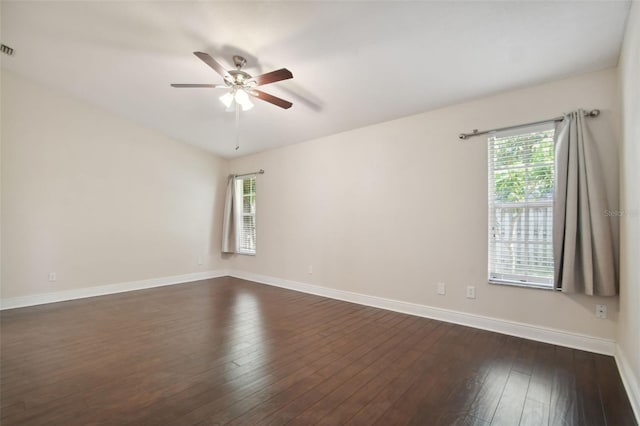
column 506, row 279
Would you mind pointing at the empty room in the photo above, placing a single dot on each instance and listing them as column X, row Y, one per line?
column 320, row 212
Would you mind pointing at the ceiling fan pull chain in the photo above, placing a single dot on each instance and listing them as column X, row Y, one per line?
column 237, row 126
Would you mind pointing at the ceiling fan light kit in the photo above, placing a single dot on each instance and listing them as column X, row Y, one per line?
column 239, row 97
column 241, row 85
column 236, row 96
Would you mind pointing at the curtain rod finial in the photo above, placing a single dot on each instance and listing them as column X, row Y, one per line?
column 594, row 112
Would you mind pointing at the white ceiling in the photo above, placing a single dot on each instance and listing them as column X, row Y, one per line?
column 354, row 63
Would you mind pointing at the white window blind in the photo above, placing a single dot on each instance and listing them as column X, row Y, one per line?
column 246, row 194
column 521, row 184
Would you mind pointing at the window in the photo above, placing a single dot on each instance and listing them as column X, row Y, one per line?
column 521, row 183
column 246, row 193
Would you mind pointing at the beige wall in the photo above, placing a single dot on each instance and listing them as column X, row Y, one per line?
column 629, row 327
column 387, row 210
column 97, row 199
column 391, row 209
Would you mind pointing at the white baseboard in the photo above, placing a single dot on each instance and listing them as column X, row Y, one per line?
column 59, row 296
column 527, row 331
column 629, row 381
column 512, row 328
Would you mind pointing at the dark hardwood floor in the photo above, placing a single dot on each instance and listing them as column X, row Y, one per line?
column 228, row 351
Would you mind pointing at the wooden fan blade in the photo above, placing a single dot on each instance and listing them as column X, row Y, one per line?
column 273, row 76
column 212, row 86
column 212, row 63
column 271, row 99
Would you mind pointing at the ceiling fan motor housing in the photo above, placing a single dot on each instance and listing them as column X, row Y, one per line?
column 239, row 77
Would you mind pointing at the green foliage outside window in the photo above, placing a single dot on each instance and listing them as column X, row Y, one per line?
column 524, row 170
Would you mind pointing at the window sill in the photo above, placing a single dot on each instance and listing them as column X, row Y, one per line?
column 246, row 253
column 519, row 284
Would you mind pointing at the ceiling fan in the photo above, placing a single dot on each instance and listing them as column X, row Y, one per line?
column 242, row 85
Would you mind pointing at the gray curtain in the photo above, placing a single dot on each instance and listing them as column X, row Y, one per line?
column 228, row 221
column 582, row 235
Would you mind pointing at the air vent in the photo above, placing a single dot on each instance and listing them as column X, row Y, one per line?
column 6, row 50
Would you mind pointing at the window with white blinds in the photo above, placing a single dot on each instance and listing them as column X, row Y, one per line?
column 246, row 194
column 521, row 183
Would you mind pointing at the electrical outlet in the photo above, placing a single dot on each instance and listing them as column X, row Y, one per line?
column 441, row 289
column 199, row 260
column 52, row 276
column 471, row 292
column 310, row 270
column 601, row 311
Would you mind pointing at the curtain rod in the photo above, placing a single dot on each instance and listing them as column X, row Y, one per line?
column 592, row 113
column 259, row 172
